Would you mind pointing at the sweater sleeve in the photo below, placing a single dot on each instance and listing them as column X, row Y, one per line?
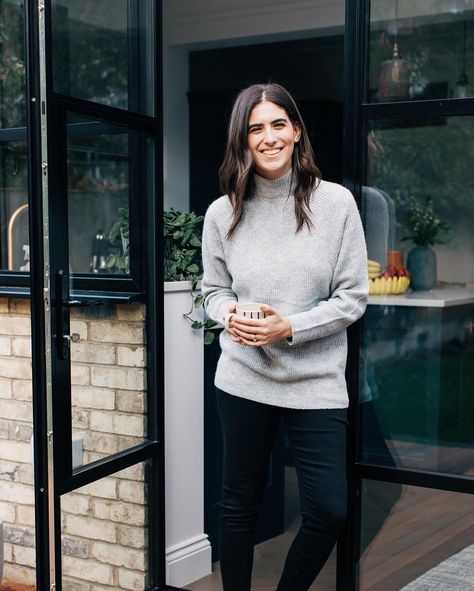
column 216, row 283
column 349, row 287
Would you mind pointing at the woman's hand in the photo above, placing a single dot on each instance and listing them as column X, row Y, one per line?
column 254, row 333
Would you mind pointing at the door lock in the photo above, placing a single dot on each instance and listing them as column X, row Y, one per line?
column 75, row 337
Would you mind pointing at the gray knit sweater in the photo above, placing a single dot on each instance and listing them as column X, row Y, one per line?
column 316, row 278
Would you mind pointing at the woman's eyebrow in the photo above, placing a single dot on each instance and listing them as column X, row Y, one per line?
column 280, row 120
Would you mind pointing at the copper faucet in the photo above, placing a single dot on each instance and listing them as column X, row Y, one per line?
column 11, row 222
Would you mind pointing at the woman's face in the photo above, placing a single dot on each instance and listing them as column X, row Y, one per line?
column 271, row 140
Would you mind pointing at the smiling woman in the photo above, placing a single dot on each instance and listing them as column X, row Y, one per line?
column 259, row 241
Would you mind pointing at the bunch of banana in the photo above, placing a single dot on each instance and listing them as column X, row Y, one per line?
column 388, row 285
column 375, row 269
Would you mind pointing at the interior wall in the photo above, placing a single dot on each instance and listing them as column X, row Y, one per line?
column 191, row 26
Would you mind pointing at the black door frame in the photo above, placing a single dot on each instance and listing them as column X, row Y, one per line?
column 52, row 434
column 356, row 113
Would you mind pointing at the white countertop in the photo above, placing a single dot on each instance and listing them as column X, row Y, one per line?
column 434, row 298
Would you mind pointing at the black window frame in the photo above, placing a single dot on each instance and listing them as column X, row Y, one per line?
column 110, row 286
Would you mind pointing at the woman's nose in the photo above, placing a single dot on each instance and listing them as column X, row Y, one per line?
column 269, row 136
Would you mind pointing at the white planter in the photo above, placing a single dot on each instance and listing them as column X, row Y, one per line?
column 188, row 552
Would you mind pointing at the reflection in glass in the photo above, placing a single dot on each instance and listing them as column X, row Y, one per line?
column 12, row 65
column 417, row 360
column 104, row 533
column 98, row 190
column 419, row 50
column 415, row 538
column 108, row 392
column 98, row 50
column 14, row 240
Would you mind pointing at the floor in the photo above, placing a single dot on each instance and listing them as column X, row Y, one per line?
column 269, row 556
column 407, row 531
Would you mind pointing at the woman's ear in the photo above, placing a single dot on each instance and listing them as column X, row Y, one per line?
column 297, row 133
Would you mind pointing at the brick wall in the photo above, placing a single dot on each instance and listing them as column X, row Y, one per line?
column 104, row 524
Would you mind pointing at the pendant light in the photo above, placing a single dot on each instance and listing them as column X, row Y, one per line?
column 462, row 85
column 394, row 76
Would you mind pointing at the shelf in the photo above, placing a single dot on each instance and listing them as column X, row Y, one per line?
column 435, row 298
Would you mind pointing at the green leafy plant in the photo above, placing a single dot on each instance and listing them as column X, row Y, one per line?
column 119, row 238
column 424, row 224
column 182, row 259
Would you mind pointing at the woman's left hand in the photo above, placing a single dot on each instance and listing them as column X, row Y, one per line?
column 255, row 333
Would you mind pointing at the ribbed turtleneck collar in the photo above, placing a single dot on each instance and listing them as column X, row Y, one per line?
column 273, row 189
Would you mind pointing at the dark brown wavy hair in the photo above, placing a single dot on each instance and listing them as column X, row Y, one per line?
column 235, row 173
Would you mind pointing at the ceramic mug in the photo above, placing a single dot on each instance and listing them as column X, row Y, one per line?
column 251, row 310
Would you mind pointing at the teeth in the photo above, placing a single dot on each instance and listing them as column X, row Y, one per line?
column 271, row 152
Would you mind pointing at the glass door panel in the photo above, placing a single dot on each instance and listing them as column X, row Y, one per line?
column 102, row 52
column 14, row 240
column 416, row 346
column 104, row 533
column 108, row 390
column 99, row 194
column 415, row 538
column 420, row 50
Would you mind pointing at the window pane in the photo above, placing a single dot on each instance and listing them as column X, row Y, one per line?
column 417, row 368
column 420, row 50
column 105, row 533
column 98, row 189
column 415, row 538
column 14, row 238
column 12, row 65
column 98, row 52
column 108, row 392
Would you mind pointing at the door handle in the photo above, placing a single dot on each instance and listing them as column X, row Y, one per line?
column 62, row 315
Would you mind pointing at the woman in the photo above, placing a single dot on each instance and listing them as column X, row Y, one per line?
column 281, row 236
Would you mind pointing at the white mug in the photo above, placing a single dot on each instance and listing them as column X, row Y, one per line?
column 251, row 310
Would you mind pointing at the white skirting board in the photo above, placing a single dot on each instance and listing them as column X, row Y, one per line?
column 188, row 562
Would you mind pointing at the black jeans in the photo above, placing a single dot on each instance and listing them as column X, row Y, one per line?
column 318, row 440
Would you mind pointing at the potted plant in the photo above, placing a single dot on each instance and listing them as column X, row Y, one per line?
column 182, row 259
column 182, row 256
column 424, row 226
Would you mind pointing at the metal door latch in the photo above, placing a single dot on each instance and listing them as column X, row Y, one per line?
column 75, row 337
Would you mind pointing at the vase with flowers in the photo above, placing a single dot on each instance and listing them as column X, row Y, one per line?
column 425, row 227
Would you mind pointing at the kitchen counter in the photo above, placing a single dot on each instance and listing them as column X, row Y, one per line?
column 434, row 298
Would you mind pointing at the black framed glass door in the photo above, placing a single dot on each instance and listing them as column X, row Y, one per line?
column 95, row 213
column 408, row 149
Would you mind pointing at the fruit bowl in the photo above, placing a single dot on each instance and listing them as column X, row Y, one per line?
column 388, row 285
column 393, row 280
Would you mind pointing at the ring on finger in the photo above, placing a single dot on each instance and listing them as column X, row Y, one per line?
column 254, row 340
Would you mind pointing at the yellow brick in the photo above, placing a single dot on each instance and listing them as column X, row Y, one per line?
column 135, row 311
column 5, row 346
column 113, row 332
column 20, row 306
column 10, row 367
column 118, row 377
column 15, row 325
